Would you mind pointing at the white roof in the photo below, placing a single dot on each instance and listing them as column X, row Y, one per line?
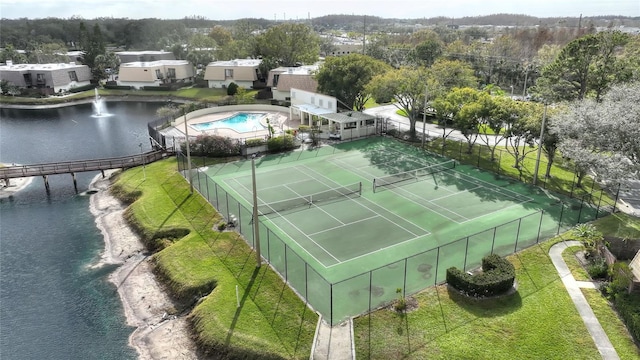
column 296, row 70
column 237, row 62
column 142, row 64
column 312, row 109
column 146, row 52
column 40, row 67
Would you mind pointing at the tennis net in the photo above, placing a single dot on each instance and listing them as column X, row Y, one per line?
column 412, row 175
column 348, row 191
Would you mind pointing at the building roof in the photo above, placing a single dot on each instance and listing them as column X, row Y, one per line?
column 40, row 67
column 347, row 117
column 146, row 52
column 144, row 64
column 236, row 62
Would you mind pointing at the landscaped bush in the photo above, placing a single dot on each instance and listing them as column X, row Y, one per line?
column 497, row 277
column 628, row 306
column 232, row 89
column 597, row 267
column 117, row 87
column 254, row 142
column 82, row 88
column 212, row 146
column 280, row 143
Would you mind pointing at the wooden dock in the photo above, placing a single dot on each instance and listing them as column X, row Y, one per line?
column 72, row 167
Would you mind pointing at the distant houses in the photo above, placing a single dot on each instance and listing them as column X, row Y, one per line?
column 155, row 73
column 242, row 72
column 48, row 78
column 283, row 79
column 144, row 56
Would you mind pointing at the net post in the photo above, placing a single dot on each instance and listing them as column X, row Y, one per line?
column 374, row 187
column 360, row 188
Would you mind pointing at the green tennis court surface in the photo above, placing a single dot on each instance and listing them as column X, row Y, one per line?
column 332, row 237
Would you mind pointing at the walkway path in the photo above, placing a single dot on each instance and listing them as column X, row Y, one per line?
column 573, row 287
column 333, row 343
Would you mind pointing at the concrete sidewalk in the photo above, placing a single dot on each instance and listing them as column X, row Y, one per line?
column 333, row 342
column 598, row 335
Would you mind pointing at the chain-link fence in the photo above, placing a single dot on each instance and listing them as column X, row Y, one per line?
column 341, row 299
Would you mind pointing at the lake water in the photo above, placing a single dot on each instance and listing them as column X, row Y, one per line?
column 53, row 305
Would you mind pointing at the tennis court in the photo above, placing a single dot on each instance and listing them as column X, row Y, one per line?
column 361, row 219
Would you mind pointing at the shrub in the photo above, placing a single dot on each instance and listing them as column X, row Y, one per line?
column 628, row 306
column 597, row 268
column 590, row 237
column 280, row 143
column 254, row 142
column 212, row 146
column 82, row 88
column 232, row 89
column 117, row 87
column 496, row 278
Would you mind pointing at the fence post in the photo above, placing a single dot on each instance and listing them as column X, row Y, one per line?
column 615, row 203
column 404, row 284
column 561, row 215
column 493, row 243
column 466, row 251
column 515, row 249
column 331, row 303
column 306, row 282
column 540, row 226
column 435, row 281
column 286, row 272
column 580, row 212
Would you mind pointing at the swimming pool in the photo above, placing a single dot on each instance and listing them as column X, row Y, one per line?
column 240, row 122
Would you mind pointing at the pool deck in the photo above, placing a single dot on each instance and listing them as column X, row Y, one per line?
column 278, row 120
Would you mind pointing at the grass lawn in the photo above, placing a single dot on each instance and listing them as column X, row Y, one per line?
column 539, row 321
column 570, row 257
column 619, row 225
column 206, row 265
column 192, row 93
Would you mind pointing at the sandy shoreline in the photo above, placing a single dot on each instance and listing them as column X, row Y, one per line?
column 159, row 333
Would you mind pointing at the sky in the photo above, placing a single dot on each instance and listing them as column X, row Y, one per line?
column 302, row 9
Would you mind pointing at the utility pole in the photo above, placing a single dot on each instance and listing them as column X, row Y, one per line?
column 424, row 116
column 535, row 171
column 256, row 224
column 186, row 134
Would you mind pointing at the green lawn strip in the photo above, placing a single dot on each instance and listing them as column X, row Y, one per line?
column 539, row 321
column 619, row 225
column 612, row 325
column 271, row 322
column 570, row 258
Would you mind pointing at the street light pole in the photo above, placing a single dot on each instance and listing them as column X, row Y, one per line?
column 424, row 116
column 535, row 171
column 186, row 134
column 144, row 171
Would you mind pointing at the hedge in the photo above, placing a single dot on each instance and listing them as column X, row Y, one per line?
column 78, row 89
column 280, row 143
column 117, row 87
column 497, row 278
column 627, row 306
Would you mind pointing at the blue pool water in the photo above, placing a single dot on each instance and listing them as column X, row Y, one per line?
column 240, row 122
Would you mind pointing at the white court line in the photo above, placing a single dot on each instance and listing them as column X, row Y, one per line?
column 375, row 251
column 490, row 185
column 373, row 211
column 415, row 201
column 455, row 193
column 343, row 225
column 314, row 205
column 302, row 232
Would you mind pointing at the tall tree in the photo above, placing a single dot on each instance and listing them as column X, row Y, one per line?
column 10, row 53
column 289, row 44
column 345, row 77
column 587, row 64
column 406, row 86
column 603, row 137
column 444, row 75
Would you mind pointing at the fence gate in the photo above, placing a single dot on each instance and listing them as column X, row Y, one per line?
column 381, row 125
